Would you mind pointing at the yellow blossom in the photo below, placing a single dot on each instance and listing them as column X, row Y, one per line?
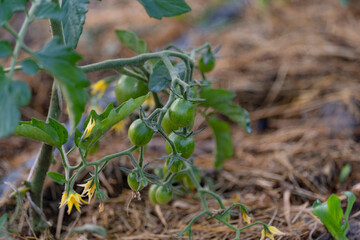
column 101, row 207
column 99, row 88
column 246, row 217
column 89, row 127
column 273, row 231
column 150, row 102
column 120, row 126
column 89, row 189
column 72, row 199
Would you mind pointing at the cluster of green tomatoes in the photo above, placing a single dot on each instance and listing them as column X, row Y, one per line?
column 176, row 123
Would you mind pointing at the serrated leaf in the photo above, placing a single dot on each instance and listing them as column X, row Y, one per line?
column 160, row 78
column 60, row 61
column 91, row 228
column 111, row 116
column 74, row 19
column 235, row 113
column 7, row 7
column 5, row 49
column 57, row 177
column 223, row 141
column 165, row 8
column 131, row 41
column 52, row 133
column 350, row 202
column 49, row 9
column 29, row 66
column 330, row 214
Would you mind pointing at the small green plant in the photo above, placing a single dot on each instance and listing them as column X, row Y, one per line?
column 330, row 214
column 166, row 77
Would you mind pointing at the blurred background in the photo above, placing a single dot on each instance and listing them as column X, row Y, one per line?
column 294, row 65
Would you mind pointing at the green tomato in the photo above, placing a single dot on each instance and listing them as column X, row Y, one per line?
column 206, row 62
column 187, row 180
column 163, row 195
column 176, row 166
column 182, row 112
column 139, row 133
column 167, row 125
column 129, row 87
column 133, row 183
column 183, row 145
column 152, row 193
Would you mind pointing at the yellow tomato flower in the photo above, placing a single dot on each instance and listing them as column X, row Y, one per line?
column 101, row 207
column 245, row 217
column 72, row 199
column 89, row 189
column 99, row 88
column 89, row 127
column 120, row 126
column 273, row 231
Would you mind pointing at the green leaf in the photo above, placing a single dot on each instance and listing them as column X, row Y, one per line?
column 7, row 7
column 3, row 220
column 52, row 133
column 351, row 200
column 345, row 171
column 29, row 66
column 49, row 9
column 74, row 19
column 165, row 8
column 160, row 78
column 111, row 116
column 57, row 177
column 12, row 95
column 21, row 93
column 224, row 146
column 330, row 214
column 60, row 61
column 235, row 113
column 215, row 96
column 91, row 228
column 5, row 49
column 131, row 41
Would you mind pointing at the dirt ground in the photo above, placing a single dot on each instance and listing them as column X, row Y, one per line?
column 294, row 66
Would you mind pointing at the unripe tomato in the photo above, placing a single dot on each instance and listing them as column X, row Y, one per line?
column 152, row 193
column 133, row 183
column 206, row 62
column 187, row 180
column 176, row 166
column 163, row 195
column 129, row 87
column 139, row 133
column 182, row 112
column 167, row 125
column 183, row 145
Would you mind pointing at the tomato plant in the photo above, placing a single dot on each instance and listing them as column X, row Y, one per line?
column 167, row 76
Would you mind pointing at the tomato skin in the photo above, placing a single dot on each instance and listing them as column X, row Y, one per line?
column 133, row 183
column 163, row 195
column 183, row 145
column 182, row 112
column 209, row 65
column 129, row 87
column 139, row 133
column 167, row 125
column 152, row 193
column 187, row 180
column 176, row 166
